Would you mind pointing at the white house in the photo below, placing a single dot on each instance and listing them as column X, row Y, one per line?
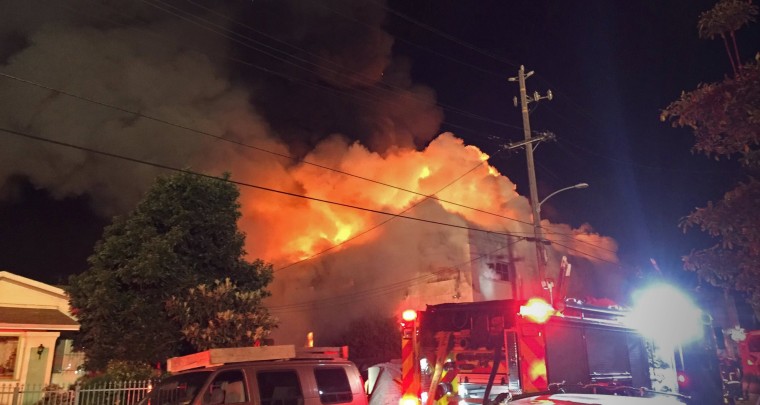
column 32, row 317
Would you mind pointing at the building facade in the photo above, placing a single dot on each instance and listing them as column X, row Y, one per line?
column 33, row 317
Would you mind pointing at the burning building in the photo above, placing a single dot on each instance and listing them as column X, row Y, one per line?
column 382, row 210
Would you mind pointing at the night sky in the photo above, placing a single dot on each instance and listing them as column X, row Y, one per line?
column 612, row 67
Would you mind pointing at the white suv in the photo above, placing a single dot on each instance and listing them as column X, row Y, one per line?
column 311, row 377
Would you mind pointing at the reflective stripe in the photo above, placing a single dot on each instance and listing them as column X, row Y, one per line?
column 409, row 380
column 533, row 363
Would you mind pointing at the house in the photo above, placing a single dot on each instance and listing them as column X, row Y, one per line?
column 33, row 317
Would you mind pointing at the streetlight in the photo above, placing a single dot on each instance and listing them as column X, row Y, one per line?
column 579, row 185
column 538, row 234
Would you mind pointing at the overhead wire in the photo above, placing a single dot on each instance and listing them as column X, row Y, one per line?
column 200, row 21
column 290, row 78
column 356, row 176
column 412, row 43
column 385, row 289
column 465, row 44
column 586, row 254
column 395, row 89
column 248, row 145
column 368, row 230
column 240, row 183
column 443, row 34
column 218, row 137
column 566, row 146
column 254, row 147
column 558, row 92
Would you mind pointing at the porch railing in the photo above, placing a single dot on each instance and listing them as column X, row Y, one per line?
column 111, row 393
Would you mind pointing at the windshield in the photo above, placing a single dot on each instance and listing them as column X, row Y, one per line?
column 177, row 389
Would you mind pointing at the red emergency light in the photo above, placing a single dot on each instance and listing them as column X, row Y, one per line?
column 408, row 320
column 537, row 310
column 683, row 380
column 409, row 315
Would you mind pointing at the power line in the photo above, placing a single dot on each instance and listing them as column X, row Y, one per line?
column 570, row 100
column 244, row 184
column 381, row 223
column 412, row 43
column 586, row 254
column 388, row 288
column 566, row 145
column 202, row 20
column 247, row 145
column 577, row 238
column 445, row 106
column 260, row 149
column 443, row 34
column 250, row 146
column 362, row 100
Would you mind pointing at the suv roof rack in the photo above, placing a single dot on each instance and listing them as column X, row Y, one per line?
column 218, row 357
column 337, row 352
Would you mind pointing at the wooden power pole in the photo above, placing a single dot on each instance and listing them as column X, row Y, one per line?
column 534, row 203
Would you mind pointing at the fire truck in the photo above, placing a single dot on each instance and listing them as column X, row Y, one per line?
column 749, row 352
column 485, row 352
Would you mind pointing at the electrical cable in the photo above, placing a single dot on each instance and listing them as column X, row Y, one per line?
column 243, row 184
column 396, row 90
column 165, row 167
column 383, row 289
column 290, row 157
column 444, row 35
column 366, row 231
column 221, row 138
column 289, row 78
column 285, row 60
column 248, row 145
column 587, row 254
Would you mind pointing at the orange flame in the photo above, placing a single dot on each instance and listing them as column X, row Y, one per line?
column 282, row 229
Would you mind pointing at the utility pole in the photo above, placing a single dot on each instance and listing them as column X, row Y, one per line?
column 534, row 203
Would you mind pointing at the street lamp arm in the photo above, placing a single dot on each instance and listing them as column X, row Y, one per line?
column 579, row 185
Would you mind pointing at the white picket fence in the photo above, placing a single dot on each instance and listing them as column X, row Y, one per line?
column 112, row 393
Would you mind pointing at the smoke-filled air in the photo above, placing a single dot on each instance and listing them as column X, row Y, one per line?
column 239, row 87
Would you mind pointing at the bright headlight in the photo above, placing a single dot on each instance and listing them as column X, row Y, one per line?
column 666, row 315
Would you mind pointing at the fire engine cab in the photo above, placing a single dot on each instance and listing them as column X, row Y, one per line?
column 481, row 352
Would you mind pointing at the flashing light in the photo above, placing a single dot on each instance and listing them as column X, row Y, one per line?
column 409, row 399
column 667, row 315
column 310, row 339
column 409, row 315
column 537, row 310
column 537, row 370
column 682, row 379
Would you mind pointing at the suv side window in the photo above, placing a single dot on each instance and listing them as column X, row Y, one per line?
column 228, row 387
column 178, row 389
column 279, row 388
column 333, row 385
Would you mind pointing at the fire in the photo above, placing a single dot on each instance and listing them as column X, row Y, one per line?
column 369, row 255
column 282, row 229
column 344, row 232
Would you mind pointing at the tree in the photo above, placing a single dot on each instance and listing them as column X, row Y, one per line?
column 182, row 234
column 725, row 118
column 221, row 316
column 727, row 17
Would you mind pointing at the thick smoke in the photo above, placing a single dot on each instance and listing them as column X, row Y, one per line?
column 316, row 80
